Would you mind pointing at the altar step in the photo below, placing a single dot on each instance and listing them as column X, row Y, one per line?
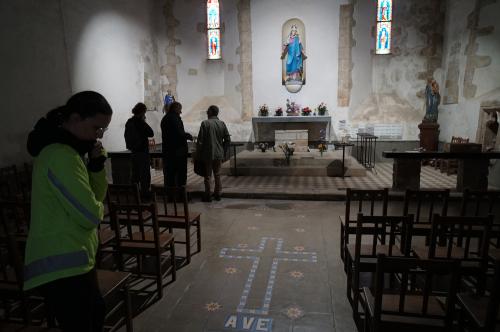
column 273, row 163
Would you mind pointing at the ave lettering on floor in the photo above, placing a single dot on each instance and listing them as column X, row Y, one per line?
column 248, row 323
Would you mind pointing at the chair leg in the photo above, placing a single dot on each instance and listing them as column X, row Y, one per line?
column 342, row 242
column 188, row 245
column 159, row 277
column 198, row 236
column 172, row 257
column 128, row 310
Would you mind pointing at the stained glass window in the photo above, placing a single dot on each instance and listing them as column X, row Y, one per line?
column 213, row 29
column 384, row 25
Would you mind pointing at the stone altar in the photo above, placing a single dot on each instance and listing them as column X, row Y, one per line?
column 265, row 126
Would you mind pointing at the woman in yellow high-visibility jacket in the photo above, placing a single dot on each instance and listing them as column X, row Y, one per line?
column 69, row 186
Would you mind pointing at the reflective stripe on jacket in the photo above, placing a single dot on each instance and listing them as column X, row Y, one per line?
column 66, row 209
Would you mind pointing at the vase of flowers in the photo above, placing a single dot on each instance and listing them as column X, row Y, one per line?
column 292, row 109
column 322, row 148
column 263, row 146
column 288, row 149
column 306, row 111
column 322, row 109
column 278, row 112
column 263, row 110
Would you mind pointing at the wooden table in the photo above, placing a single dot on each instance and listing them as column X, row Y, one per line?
column 472, row 168
column 121, row 164
column 234, row 145
column 343, row 146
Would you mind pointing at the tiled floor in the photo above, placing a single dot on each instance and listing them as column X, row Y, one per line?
column 264, row 266
column 256, row 186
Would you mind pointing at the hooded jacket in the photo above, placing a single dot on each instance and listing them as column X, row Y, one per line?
column 66, row 205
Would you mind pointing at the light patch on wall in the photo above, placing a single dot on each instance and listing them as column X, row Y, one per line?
column 107, row 59
column 192, row 72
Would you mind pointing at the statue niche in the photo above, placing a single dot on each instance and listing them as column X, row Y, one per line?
column 293, row 55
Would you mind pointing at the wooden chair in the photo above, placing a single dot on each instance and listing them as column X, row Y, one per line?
column 12, row 278
column 423, row 204
column 125, row 194
column 134, row 240
column 9, row 186
column 484, row 203
column 480, row 312
column 178, row 216
column 114, row 290
column 368, row 202
column 450, row 166
column 361, row 256
column 454, row 237
column 15, row 218
column 411, row 308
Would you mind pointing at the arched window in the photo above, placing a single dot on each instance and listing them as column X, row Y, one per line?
column 384, row 25
column 213, row 29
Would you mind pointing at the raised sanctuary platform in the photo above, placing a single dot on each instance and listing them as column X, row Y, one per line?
column 273, row 163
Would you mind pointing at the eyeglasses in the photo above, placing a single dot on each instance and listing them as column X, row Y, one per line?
column 101, row 130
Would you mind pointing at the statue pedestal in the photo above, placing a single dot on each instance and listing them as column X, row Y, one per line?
column 429, row 136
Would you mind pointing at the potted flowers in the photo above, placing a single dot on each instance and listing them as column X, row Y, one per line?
column 263, row 146
column 322, row 109
column 322, row 148
column 278, row 112
column 288, row 149
column 263, row 110
column 306, row 111
column 292, row 108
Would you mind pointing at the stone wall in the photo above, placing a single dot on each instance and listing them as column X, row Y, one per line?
column 54, row 48
column 398, row 80
column 472, row 69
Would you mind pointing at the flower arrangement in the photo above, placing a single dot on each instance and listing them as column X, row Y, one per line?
column 263, row 110
column 322, row 109
column 322, row 148
column 292, row 108
column 263, row 146
column 306, row 111
column 278, row 112
column 288, row 149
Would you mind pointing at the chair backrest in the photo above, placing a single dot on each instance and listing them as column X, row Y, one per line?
column 494, row 301
column 379, row 228
column 423, row 204
column 459, row 140
column 123, row 194
column 452, row 232
column 135, row 227
column 367, row 202
column 15, row 217
column 11, row 263
column 9, row 185
column 171, row 203
column 408, row 267
column 481, row 203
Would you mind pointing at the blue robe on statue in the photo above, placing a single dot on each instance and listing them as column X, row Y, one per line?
column 294, row 58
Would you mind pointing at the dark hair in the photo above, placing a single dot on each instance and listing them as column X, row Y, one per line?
column 139, row 108
column 86, row 104
column 213, row 110
column 175, row 107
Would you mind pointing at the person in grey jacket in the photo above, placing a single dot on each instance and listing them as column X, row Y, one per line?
column 213, row 141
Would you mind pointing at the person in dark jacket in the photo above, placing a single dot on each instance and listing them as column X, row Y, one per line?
column 137, row 132
column 174, row 147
